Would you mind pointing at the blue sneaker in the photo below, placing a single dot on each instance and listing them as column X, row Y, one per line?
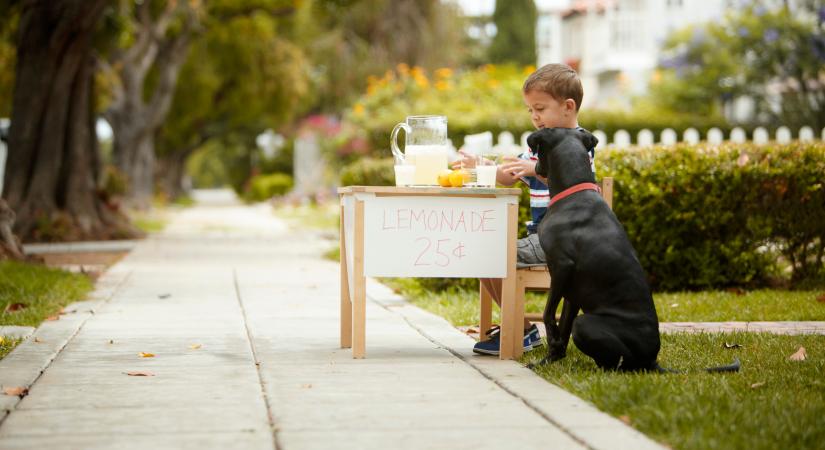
column 493, row 344
column 534, row 336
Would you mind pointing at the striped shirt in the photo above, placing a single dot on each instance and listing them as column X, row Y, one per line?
column 539, row 193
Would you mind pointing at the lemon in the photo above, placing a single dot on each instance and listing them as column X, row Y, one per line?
column 444, row 178
column 457, row 178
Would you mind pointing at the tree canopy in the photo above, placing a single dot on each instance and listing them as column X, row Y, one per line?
column 515, row 39
column 774, row 55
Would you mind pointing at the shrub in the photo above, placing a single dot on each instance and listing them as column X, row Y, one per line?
column 369, row 172
column 703, row 217
column 264, row 187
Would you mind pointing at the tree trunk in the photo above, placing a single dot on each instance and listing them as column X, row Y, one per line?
column 9, row 245
column 170, row 172
column 134, row 119
column 53, row 164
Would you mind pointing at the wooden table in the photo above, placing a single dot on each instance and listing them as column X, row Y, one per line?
column 428, row 232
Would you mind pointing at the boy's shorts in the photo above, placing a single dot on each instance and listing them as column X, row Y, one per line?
column 529, row 252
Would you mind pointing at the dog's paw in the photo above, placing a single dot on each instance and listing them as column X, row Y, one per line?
column 555, row 356
column 546, row 360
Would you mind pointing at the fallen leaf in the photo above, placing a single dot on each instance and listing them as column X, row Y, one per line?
column 17, row 390
column 53, row 318
column 146, row 355
column 163, row 296
column 37, row 339
column 195, row 346
column 140, row 374
column 307, row 386
column 734, row 345
column 757, row 385
column 800, row 355
column 12, row 307
column 821, row 298
column 625, row 419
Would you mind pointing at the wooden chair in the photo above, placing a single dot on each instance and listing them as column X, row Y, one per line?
column 530, row 278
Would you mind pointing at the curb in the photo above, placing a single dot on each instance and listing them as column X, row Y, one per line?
column 24, row 365
column 80, row 247
column 580, row 419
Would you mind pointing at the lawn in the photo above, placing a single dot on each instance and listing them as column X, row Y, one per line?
column 460, row 307
column 31, row 293
column 772, row 403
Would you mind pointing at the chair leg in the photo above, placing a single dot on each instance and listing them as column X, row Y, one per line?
column 486, row 314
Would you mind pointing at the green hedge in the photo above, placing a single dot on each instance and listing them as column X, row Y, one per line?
column 264, row 187
column 702, row 217
column 369, row 172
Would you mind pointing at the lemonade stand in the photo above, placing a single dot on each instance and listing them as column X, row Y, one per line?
column 420, row 229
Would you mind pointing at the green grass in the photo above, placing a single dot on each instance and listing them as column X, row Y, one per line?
column 149, row 223
column 44, row 291
column 772, row 403
column 7, row 344
column 749, row 306
column 460, row 307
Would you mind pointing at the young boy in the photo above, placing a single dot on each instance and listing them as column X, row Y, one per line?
column 553, row 95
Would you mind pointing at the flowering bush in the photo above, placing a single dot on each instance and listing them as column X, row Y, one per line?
column 485, row 99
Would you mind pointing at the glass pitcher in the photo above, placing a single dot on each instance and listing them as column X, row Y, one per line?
column 426, row 147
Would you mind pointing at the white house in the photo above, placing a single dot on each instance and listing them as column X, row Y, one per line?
column 615, row 44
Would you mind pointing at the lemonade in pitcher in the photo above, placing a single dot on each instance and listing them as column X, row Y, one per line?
column 429, row 161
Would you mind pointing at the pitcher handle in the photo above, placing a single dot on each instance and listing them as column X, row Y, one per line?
column 396, row 152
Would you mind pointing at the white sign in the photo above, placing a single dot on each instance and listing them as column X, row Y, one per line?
column 424, row 236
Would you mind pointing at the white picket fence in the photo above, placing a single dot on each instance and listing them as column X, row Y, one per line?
column 646, row 138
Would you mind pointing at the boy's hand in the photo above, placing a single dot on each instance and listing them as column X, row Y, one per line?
column 467, row 161
column 518, row 168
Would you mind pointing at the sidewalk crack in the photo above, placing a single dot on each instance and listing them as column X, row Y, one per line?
column 270, row 417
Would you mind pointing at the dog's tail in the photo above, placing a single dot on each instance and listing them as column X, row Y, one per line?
column 732, row 367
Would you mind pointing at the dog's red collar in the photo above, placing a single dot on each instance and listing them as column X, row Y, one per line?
column 573, row 189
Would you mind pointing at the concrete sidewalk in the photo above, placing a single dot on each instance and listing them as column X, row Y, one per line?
column 242, row 317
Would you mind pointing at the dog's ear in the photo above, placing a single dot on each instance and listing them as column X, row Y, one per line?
column 588, row 139
column 546, row 138
column 534, row 141
column 541, row 142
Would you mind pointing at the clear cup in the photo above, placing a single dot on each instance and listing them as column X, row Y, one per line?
column 404, row 174
column 486, row 175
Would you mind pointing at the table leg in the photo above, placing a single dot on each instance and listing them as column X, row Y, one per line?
column 346, row 302
column 512, row 315
column 359, row 302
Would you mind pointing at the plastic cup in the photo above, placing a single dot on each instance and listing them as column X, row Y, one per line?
column 404, row 175
column 486, row 176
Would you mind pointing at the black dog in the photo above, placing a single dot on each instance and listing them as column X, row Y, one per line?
column 592, row 263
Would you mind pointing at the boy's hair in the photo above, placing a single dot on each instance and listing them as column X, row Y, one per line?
column 560, row 81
